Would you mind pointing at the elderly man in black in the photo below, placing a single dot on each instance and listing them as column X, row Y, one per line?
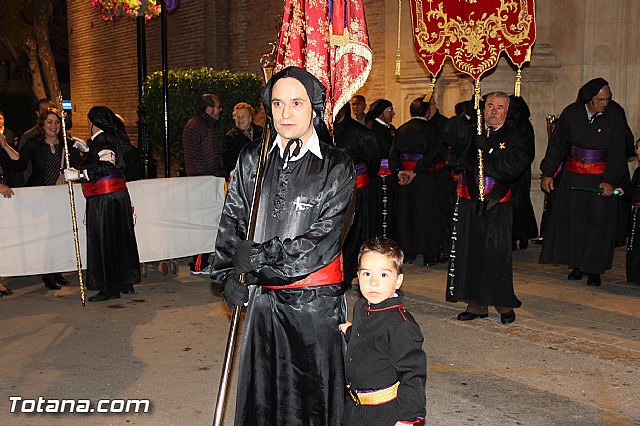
column 291, row 366
column 588, row 143
column 480, row 270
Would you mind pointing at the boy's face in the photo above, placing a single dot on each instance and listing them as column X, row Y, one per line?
column 378, row 277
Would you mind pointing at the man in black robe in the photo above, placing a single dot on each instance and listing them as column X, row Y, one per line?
column 589, row 142
column 113, row 264
column 360, row 143
column 291, row 365
column 480, row 270
column 383, row 187
column 415, row 158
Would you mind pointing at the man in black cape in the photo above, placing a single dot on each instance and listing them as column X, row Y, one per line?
column 291, row 365
column 589, row 142
column 360, row 143
column 416, row 156
column 480, row 269
column 113, row 265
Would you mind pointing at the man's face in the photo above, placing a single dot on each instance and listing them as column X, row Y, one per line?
column 599, row 102
column 1, row 120
column 357, row 107
column 387, row 114
column 42, row 108
column 495, row 111
column 242, row 118
column 292, row 111
column 214, row 111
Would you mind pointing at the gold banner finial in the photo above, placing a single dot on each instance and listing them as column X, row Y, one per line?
column 398, row 49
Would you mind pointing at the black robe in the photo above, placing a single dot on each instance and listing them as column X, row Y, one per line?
column 383, row 188
column 419, row 208
column 384, row 347
column 633, row 242
column 232, row 144
column 113, row 263
column 582, row 225
column 360, row 143
column 525, row 225
column 480, row 269
column 291, row 369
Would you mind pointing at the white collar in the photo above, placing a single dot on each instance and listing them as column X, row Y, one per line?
column 387, row 125
column 312, row 144
column 591, row 115
column 96, row 134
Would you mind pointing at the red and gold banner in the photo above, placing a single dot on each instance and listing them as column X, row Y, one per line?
column 329, row 39
column 472, row 33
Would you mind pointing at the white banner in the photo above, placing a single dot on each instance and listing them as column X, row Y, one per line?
column 174, row 217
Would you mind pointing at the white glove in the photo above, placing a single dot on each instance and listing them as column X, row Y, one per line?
column 72, row 175
column 80, row 145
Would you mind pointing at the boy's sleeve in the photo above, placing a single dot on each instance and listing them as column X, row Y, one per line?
column 410, row 362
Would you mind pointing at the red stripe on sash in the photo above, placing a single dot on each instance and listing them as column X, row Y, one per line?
column 333, row 273
column 463, row 192
column 104, row 186
column 362, row 181
column 583, row 168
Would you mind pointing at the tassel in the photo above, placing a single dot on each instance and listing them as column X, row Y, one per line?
column 516, row 89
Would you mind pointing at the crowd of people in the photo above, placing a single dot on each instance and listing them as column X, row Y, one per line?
column 354, row 205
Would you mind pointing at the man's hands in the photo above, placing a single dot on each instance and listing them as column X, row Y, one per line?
column 546, row 184
column 241, row 258
column 72, row 175
column 80, row 145
column 234, row 292
column 405, row 177
column 606, row 188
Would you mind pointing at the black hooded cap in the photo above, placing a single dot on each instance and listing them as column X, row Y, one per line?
column 105, row 119
column 315, row 89
column 377, row 107
column 590, row 89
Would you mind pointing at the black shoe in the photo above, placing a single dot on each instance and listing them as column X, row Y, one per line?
column 51, row 284
column 468, row 316
column 537, row 241
column 6, row 292
column 593, row 280
column 103, row 297
column 128, row 290
column 524, row 244
column 508, row 317
column 61, row 280
column 575, row 275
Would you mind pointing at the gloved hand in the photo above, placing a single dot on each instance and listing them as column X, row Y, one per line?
column 234, row 292
column 80, row 145
column 479, row 142
column 241, row 259
column 72, row 175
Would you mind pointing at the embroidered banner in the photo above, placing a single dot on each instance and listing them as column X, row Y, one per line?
column 472, row 33
column 329, row 39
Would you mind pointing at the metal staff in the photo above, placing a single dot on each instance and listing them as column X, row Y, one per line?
column 594, row 190
column 72, row 203
column 235, row 316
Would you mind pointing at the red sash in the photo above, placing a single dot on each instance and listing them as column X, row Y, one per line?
column 583, row 168
column 104, row 186
column 333, row 273
column 362, row 181
column 437, row 166
column 463, row 192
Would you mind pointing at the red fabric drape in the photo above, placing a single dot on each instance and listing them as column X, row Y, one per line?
column 329, row 39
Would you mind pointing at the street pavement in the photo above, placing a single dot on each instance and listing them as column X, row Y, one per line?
column 571, row 358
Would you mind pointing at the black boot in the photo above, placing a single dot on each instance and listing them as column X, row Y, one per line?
column 51, row 284
column 593, row 280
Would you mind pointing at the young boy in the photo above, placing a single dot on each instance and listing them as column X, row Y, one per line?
column 385, row 364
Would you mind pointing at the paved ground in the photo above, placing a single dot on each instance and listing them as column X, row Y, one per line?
column 571, row 358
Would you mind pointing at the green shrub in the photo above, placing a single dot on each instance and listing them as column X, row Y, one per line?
column 184, row 90
column 18, row 108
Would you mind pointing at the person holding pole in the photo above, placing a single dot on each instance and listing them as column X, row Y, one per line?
column 291, row 369
column 589, row 142
column 113, row 265
column 480, row 269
